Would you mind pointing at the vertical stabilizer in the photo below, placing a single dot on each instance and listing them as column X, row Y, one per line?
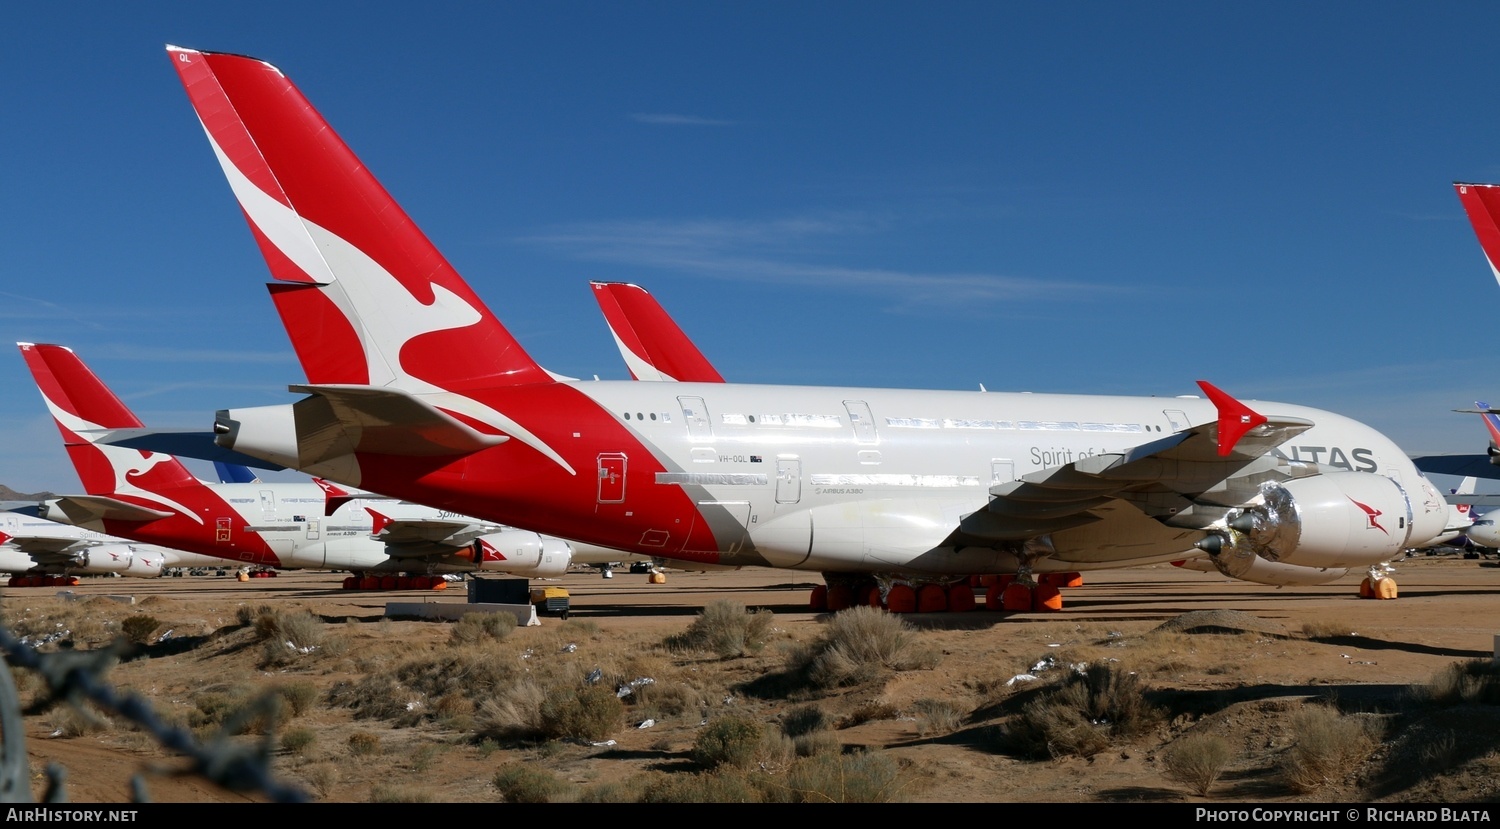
column 653, row 345
column 365, row 297
column 1482, row 204
column 80, row 405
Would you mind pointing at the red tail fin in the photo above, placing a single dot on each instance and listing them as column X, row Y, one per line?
column 371, row 301
column 653, row 345
column 81, row 403
column 1482, row 204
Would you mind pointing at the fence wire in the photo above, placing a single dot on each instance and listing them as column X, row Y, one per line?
column 76, row 677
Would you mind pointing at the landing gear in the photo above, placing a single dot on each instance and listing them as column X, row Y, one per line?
column 42, row 581
column 842, row 591
column 1378, row 584
column 360, row 581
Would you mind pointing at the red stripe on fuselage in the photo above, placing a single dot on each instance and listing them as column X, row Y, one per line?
column 514, row 483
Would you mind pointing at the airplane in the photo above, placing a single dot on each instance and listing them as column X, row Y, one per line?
column 421, row 393
column 152, row 497
column 40, row 553
column 654, row 347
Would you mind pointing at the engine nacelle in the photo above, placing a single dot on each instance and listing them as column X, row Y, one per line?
column 1255, row 569
column 119, row 558
column 522, row 553
column 1338, row 519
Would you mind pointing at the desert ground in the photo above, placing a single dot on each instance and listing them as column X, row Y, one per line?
column 402, row 710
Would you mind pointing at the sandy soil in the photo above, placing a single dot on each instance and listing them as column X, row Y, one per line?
column 1285, row 648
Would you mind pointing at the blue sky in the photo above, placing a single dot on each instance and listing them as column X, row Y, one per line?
column 1052, row 197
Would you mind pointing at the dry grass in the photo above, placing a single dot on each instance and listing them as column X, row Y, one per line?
column 1329, row 745
column 1082, row 714
column 858, row 646
column 725, row 629
column 1197, row 760
column 1471, row 682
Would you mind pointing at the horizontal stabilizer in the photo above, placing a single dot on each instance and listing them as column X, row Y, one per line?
column 83, row 509
column 1477, row 466
column 184, row 443
column 389, row 421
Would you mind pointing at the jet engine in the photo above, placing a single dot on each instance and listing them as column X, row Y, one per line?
column 1339, row 519
column 521, row 553
column 1260, row 571
column 118, row 558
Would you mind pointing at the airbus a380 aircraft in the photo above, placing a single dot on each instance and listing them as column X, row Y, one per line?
column 655, row 348
column 421, row 393
column 40, row 553
column 152, row 497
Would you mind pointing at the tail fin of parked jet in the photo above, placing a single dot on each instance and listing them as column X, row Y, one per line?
column 83, row 407
column 367, row 299
column 1482, row 203
column 653, row 345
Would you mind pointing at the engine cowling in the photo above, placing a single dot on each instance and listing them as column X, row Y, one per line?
column 1253, row 568
column 521, row 553
column 1338, row 519
column 119, row 558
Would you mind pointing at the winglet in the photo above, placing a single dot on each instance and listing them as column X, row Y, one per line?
column 4, row 537
column 1235, row 418
column 1482, row 204
column 335, row 496
column 380, row 522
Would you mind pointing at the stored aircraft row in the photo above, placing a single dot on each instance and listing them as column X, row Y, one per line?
column 417, row 391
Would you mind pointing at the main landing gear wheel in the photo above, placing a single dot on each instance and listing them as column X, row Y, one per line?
column 1378, row 584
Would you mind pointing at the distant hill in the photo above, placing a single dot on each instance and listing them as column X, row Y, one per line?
column 8, row 494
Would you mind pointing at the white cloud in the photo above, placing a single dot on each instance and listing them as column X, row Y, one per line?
column 783, row 251
column 673, row 119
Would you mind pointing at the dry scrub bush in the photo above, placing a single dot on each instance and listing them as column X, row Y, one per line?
column 859, row 644
column 528, row 783
column 861, row 777
column 473, row 628
column 299, row 696
column 514, row 712
column 321, row 777
column 1471, row 682
column 1197, row 760
column 1329, row 745
column 725, row 629
column 804, row 720
column 138, row 629
column 1082, row 715
column 298, row 740
column 592, row 712
column 936, row 716
column 394, row 793
column 731, row 740
column 70, row 720
column 286, row 637
column 364, row 744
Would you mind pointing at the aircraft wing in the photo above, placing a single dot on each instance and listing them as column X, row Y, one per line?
column 42, row 546
column 420, row 536
column 1221, row 463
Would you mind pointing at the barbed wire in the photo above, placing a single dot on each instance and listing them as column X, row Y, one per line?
column 73, row 677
